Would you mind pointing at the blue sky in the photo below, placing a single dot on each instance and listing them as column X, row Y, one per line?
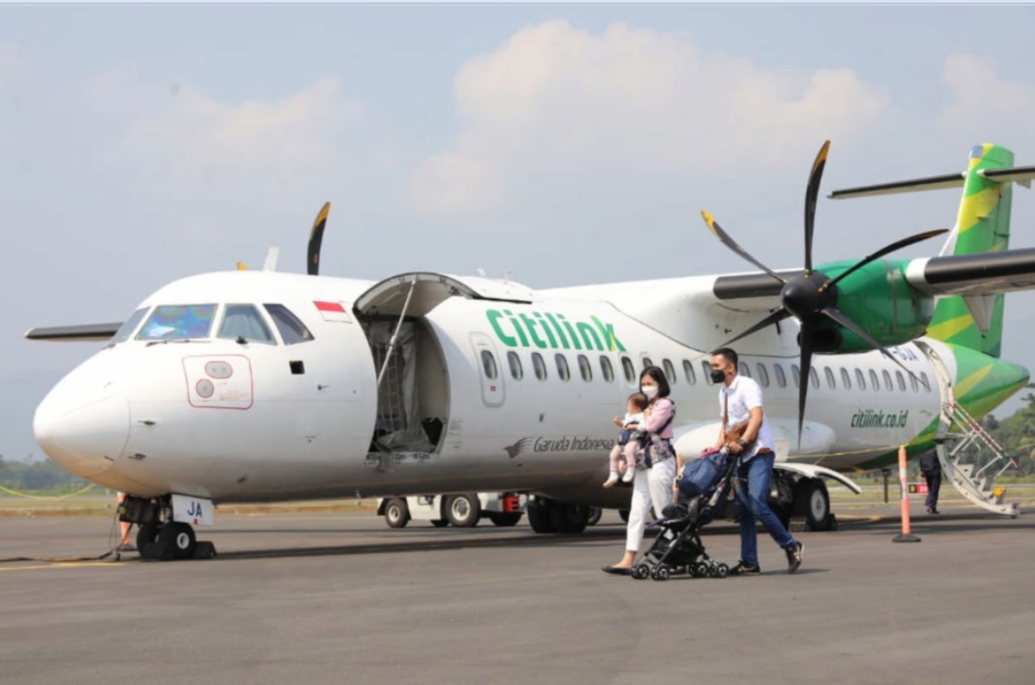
column 141, row 144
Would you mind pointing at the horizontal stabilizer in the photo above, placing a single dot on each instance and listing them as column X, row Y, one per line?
column 984, row 273
column 100, row 332
column 1021, row 175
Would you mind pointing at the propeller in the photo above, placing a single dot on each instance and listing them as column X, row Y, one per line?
column 811, row 297
column 315, row 240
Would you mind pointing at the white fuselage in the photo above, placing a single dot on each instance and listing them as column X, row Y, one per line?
column 237, row 420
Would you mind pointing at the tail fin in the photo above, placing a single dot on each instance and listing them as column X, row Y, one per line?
column 982, row 225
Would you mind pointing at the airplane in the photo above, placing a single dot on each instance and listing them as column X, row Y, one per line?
column 261, row 386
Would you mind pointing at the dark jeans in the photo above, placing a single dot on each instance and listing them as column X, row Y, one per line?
column 934, row 483
column 753, row 503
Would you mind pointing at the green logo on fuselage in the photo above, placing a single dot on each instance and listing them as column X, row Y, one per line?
column 552, row 331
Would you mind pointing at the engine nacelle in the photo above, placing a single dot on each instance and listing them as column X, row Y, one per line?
column 879, row 300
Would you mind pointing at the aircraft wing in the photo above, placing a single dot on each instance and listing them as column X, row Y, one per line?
column 100, row 332
column 986, row 273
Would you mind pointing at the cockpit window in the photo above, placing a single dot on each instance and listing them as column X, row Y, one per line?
column 243, row 321
column 177, row 322
column 126, row 329
column 291, row 329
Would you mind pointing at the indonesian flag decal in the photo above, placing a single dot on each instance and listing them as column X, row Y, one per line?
column 333, row 311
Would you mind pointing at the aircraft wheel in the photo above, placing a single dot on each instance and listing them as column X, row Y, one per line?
column 504, row 519
column 397, row 513
column 594, row 516
column 624, row 513
column 817, row 504
column 539, row 515
column 463, row 511
column 147, row 534
column 569, row 518
column 176, row 541
column 439, row 523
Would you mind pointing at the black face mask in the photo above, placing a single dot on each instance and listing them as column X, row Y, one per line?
column 718, row 376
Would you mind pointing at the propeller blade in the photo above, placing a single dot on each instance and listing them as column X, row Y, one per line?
column 315, row 240
column 776, row 317
column 811, row 193
column 840, row 317
column 905, row 242
column 803, row 382
column 732, row 244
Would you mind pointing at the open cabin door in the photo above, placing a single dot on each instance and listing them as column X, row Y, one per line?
column 411, row 371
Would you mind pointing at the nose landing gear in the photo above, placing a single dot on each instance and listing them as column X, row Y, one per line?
column 159, row 537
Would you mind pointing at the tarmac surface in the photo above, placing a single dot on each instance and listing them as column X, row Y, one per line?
column 332, row 598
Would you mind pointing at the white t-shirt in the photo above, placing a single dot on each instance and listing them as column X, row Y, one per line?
column 633, row 418
column 744, row 395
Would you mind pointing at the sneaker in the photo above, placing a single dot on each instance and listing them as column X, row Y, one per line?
column 794, row 555
column 612, row 479
column 630, row 473
column 743, row 568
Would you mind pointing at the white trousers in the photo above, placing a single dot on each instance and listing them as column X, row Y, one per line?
column 650, row 486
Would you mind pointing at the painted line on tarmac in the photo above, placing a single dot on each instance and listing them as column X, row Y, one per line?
column 66, row 565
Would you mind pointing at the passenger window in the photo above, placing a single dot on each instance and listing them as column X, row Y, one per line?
column 926, row 383
column 707, row 372
column 585, row 368
column 292, row 330
column 846, row 378
column 912, row 381
column 178, row 322
column 629, row 369
column 781, row 378
column 670, row 371
column 607, row 370
column 647, row 362
column 489, row 365
column 887, row 380
column 539, row 365
column 562, row 367
column 763, row 375
column 831, row 383
column 688, row 371
column 901, row 381
column 243, row 321
column 796, row 373
column 515, row 365
column 744, row 368
column 814, row 376
column 860, row 379
column 874, row 382
column 127, row 328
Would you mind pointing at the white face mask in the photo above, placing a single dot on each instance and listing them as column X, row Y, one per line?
column 650, row 391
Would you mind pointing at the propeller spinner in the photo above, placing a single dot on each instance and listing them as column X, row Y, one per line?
column 811, row 296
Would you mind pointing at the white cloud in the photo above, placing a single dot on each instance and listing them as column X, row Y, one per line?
column 979, row 94
column 554, row 97
column 187, row 133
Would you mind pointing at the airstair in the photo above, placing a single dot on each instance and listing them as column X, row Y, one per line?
column 959, row 454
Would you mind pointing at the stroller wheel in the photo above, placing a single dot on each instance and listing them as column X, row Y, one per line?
column 699, row 569
column 641, row 571
column 661, row 572
column 722, row 570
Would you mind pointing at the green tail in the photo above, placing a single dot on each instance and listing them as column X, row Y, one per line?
column 982, row 225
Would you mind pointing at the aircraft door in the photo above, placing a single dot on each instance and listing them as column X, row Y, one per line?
column 490, row 370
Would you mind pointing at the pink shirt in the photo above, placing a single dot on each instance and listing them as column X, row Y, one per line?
column 660, row 413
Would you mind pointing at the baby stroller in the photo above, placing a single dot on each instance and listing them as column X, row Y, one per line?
column 704, row 489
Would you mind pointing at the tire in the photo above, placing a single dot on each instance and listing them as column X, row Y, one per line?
column 439, row 523
column 641, row 572
column 176, row 541
column 569, row 518
column 463, row 511
column 397, row 513
column 816, row 504
column 539, row 516
column 594, row 516
column 505, row 519
column 624, row 513
column 147, row 534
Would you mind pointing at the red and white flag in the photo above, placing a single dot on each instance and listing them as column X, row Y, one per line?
column 333, row 311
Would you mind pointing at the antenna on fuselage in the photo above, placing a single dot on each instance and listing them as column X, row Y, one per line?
column 481, row 272
column 271, row 259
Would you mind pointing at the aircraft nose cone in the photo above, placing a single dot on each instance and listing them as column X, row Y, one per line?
column 84, row 438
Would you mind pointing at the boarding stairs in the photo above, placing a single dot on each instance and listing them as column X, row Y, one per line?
column 958, row 452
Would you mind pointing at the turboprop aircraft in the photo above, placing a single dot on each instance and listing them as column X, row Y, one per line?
column 246, row 386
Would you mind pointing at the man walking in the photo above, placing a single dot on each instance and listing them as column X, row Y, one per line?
column 740, row 401
column 931, row 469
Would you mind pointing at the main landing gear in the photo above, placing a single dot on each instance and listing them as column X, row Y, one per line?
column 159, row 537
